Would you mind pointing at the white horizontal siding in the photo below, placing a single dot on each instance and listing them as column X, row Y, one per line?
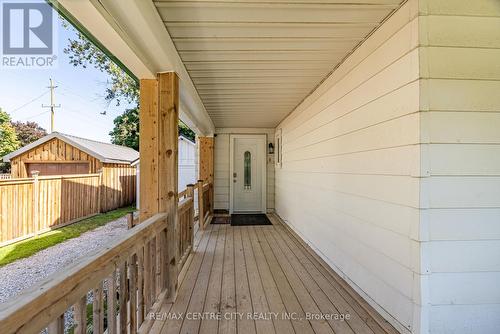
column 460, row 191
column 349, row 182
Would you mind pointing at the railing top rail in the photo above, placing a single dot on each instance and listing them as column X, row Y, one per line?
column 5, row 182
column 48, row 177
column 68, row 176
column 183, row 193
column 184, row 204
column 36, row 308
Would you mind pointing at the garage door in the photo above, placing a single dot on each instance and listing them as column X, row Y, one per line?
column 58, row 168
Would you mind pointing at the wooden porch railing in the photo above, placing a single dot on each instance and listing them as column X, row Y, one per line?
column 205, row 202
column 185, row 220
column 114, row 290
column 124, row 282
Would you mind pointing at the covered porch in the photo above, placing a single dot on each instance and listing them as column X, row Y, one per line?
column 262, row 279
column 374, row 129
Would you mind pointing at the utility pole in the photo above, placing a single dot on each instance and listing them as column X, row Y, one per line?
column 52, row 105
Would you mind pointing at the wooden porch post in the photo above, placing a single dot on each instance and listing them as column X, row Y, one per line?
column 148, row 148
column 159, row 118
column 168, row 126
column 206, row 168
column 206, row 158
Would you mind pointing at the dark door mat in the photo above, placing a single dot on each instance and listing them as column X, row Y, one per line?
column 247, row 220
column 221, row 220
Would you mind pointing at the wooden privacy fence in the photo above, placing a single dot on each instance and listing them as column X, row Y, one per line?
column 35, row 205
column 118, row 186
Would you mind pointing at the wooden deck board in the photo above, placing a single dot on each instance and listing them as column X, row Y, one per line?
column 212, row 299
column 227, row 325
column 265, row 271
column 245, row 325
column 276, row 304
column 259, row 300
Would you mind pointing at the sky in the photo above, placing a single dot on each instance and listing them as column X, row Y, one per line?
column 80, row 92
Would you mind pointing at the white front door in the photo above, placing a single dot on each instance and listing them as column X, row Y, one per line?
column 248, row 173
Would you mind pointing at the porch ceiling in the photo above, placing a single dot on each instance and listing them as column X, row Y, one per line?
column 253, row 61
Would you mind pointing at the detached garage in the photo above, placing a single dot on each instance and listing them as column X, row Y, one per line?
column 62, row 154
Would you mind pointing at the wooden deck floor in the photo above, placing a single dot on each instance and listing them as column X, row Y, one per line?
column 267, row 272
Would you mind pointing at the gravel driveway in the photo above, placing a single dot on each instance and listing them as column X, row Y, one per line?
column 24, row 273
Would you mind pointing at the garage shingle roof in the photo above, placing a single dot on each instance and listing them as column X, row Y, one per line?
column 105, row 152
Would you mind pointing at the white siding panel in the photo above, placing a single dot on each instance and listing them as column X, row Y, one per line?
column 461, row 63
column 469, row 288
column 349, row 179
column 461, row 192
column 463, row 127
column 461, row 189
column 464, row 224
column 465, row 256
column 462, row 95
column 443, row 318
column 482, row 8
column 477, row 32
column 391, row 168
column 464, row 159
column 401, row 160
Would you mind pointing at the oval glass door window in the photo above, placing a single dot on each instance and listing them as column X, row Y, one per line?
column 247, row 165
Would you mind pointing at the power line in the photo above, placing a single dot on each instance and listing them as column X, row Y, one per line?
column 29, row 102
column 85, row 117
column 34, row 116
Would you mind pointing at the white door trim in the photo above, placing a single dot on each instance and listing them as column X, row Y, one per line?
column 232, row 137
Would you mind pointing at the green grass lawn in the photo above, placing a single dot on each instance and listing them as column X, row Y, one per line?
column 28, row 247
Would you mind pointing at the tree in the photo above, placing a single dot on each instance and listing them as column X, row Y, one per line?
column 186, row 132
column 83, row 52
column 28, row 132
column 126, row 130
column 8, row 139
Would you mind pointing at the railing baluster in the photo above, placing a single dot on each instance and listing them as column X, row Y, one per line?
column 140, row 286
column 147, row 279
column 111, row 301
column 80, row 315
column 57, row 326
column 163, row 259
column 159, row 264
column 123, row 298
column 97, row 310
column 132, row 268
column 152, row 253
column 201, row 206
